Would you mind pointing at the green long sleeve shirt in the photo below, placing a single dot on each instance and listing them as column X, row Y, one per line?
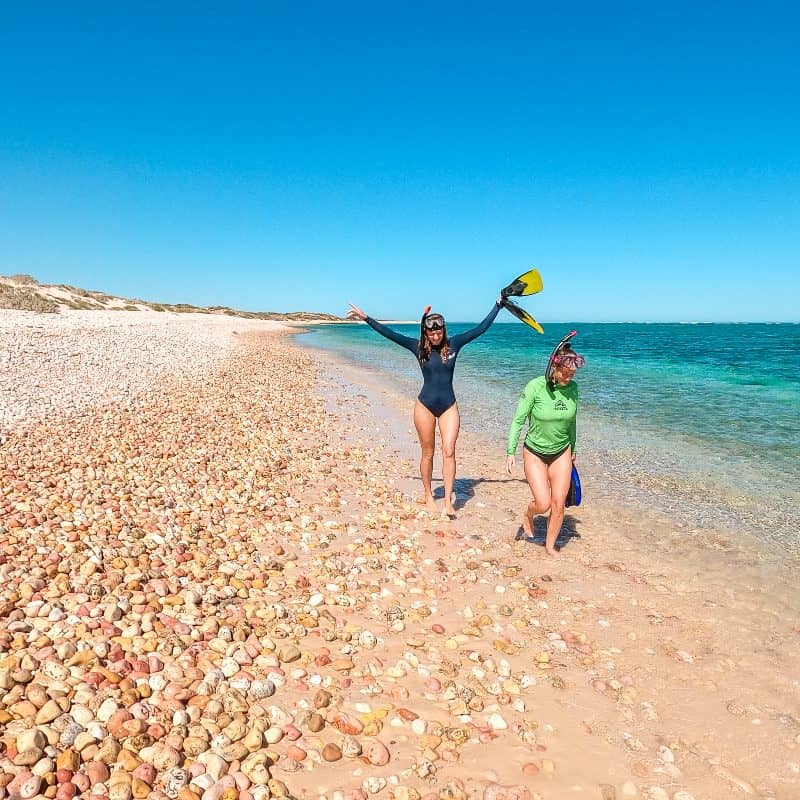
column 551, row 417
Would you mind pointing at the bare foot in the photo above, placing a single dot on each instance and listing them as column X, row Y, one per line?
column 551, row 551
column 450, row 511
column 527, row 527
column 430, row 504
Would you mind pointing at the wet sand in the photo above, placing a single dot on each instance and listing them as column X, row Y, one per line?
column 220, row 586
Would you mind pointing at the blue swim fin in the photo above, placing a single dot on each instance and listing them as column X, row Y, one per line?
column 574, row 493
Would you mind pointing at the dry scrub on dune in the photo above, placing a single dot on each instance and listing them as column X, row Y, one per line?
column 25, row 293
column 22, row 299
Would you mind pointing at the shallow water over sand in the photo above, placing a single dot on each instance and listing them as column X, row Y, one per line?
column 701, row 620
column 697, row 422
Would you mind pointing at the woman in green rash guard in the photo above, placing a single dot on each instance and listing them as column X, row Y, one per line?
column 550, row 404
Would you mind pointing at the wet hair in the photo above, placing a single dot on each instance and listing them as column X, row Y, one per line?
column 567, row 348
column 563, row 350
column 425, row 344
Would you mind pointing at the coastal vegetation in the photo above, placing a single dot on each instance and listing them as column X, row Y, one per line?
column 25, row 293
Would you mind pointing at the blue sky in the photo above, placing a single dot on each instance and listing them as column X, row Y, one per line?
column 284, row 156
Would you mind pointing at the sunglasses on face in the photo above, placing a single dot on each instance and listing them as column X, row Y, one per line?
column 434, row 324
column 571, row 360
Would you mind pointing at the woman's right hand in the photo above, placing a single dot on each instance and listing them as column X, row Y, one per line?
column 356, row 313
column 509, row 464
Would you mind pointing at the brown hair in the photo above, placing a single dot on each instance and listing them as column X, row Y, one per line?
column 567, row 348
column 425, row 345
column 554, row 362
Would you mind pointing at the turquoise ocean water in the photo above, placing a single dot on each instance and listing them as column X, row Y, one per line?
column 701, row 422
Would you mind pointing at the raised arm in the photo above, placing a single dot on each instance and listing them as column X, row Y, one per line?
column 404, row 341
column 383, row 330
column 459, row 340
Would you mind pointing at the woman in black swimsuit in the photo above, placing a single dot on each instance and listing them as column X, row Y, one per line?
column 436, row 355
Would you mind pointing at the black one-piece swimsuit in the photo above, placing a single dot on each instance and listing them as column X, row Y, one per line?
column 437, row 376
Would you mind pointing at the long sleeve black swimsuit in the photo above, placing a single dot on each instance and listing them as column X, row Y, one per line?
column 437, row 376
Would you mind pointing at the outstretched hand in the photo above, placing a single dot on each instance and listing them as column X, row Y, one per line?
column 356, row 313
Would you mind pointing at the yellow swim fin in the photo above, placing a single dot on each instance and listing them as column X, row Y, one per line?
column 527, row 283
column 521, row 313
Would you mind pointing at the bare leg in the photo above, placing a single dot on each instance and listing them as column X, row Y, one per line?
column 449, row 424
column 559, row 473
column 536, row 475
column 425, row 423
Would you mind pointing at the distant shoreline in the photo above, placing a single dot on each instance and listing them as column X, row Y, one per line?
column 25, row 293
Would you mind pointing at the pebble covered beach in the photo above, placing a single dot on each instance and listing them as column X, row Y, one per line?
column 216, row 584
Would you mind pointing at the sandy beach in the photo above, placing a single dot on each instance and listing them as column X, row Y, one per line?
column 217, row 583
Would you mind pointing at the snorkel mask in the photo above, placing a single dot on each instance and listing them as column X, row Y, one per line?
column 563, row 354
column 431, row 322
column 434, row 322
column 570, row 359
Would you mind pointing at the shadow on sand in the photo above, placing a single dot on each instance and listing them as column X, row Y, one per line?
column 465, row 491
column 567, row 533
